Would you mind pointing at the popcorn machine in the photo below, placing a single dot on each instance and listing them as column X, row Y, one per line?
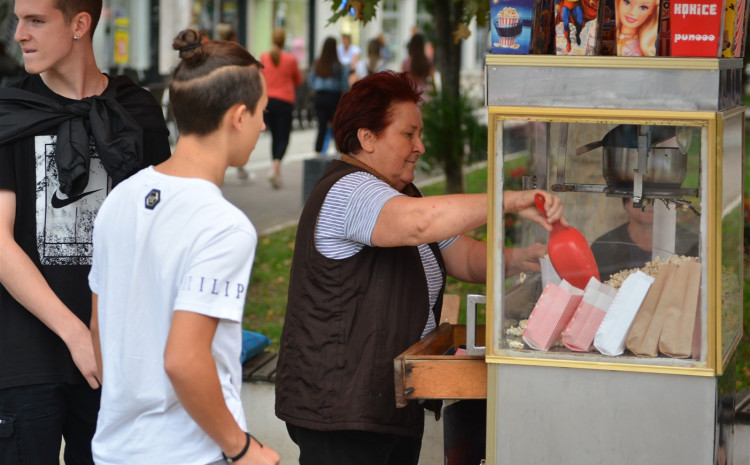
column 647, row 156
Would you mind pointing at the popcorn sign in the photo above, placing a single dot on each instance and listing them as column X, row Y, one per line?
column 521, row 27
column 696, row 28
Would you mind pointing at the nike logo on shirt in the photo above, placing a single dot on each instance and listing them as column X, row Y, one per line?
column 57, row 202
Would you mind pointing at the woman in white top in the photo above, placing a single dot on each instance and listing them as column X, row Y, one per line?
column 374, row 63
column 171, row 264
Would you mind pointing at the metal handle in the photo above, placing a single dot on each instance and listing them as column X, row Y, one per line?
column 471, row 324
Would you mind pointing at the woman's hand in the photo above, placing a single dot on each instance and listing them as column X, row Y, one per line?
column 522, row 202
column 524, row 259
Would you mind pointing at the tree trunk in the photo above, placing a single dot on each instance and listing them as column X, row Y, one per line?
column 447, row 14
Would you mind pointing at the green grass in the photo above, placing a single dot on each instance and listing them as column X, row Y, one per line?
column 266, row 299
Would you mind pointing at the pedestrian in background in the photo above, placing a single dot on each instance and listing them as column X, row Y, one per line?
column 419, row 65
column 225, row 31
column 348, row 53
column 169, row 353
column 282, row 77
column 373, row 63
column 329, row 79
column 81, row 132
column 385, row 49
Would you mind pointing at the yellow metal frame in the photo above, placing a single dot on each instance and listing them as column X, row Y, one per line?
column 705, row 119
column 716, row 221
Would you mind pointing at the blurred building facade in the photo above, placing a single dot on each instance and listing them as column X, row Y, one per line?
column 135, row 36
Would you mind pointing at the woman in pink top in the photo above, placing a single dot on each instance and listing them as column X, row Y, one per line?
column 282, row 77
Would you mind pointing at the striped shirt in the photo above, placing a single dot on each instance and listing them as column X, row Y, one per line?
column 347, row 220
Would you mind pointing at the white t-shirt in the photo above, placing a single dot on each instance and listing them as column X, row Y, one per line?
column 362, row 71
column 347, row 219
column 192, row 251
column 347, row 56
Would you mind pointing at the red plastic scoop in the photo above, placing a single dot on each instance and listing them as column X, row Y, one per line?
column 569, row 252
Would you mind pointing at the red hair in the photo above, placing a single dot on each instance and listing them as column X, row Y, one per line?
column 368, row 104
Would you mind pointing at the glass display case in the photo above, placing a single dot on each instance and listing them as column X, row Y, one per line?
column 647, row 157
column 646, row 188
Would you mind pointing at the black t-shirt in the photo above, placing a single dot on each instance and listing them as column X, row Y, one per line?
column 615, row 251
column 55, row 231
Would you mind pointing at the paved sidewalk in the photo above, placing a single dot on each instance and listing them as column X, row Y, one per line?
column 270, row 209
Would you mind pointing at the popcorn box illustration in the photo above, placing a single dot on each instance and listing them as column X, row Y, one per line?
column 521, row 27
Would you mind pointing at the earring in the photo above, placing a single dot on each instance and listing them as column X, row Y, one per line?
column 75, row 37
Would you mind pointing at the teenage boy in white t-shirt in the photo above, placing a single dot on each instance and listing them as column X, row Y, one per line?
column 172, row 259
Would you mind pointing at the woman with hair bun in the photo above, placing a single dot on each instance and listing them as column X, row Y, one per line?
column 172, row 259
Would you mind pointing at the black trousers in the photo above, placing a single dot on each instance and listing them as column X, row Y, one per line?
column 33, row 419
column 278, row 119
column 354, row 447
column 325, row 106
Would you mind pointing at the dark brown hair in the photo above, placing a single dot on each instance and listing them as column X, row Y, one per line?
column 278, row 37
column 373, row 55
column 70, row 8
column 211, row 78
column 369, row 104
column 328, row 59
column 420, row 65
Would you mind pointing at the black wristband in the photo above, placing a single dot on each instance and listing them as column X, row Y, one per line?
column 242, row 452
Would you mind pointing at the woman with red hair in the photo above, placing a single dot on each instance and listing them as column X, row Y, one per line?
column 367, row 279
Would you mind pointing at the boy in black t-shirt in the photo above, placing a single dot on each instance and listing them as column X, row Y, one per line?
column 61, row 151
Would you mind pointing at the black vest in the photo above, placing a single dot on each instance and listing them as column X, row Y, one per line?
column 346, row 320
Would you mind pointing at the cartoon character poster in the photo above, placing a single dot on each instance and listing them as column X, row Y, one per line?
column 578, row 27
column 637, row 27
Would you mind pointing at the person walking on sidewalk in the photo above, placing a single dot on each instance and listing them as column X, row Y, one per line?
column 282, row 77
column 329, row 79
column 374, row 62
column 419, row 65
column 69, row 133
column 172, row 259
column 348, row 53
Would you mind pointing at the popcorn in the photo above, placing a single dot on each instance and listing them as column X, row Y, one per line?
column 507, row 18
column 516, row 330
column 651, row 268
column 507, row 12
